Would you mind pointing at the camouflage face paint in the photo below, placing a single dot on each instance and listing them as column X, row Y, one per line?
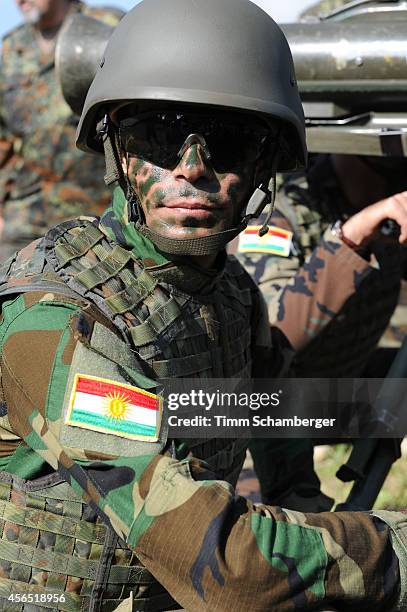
column 192, row 200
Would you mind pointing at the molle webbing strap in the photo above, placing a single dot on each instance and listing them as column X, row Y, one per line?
column 48, row 521
column 105, row 269
column 72, row 603
column 44, row 561
column 185, row 366
column 79, row 245
column 76, row 603
column 136, row 291
column 156, row 318
column 156, row 323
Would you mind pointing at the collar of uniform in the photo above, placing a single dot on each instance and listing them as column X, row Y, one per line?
column 116, row 225
column 173, row 270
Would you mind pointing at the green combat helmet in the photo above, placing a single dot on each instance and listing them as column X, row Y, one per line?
column 244, row 65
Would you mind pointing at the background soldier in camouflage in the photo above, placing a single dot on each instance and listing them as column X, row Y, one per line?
column 104, row 309
column 333, row 188
column 43, row 179
column 307, row 206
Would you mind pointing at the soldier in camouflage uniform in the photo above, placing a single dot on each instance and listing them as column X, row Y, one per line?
column 307, row 206
column 285, row 469
column 43, row 178
column 90, row 488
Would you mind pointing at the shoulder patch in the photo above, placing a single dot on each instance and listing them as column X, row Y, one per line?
column 109, row 404
column 277, row 241
column 104, row 405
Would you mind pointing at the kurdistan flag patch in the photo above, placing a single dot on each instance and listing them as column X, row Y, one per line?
column 277, row 241
column 115, row 408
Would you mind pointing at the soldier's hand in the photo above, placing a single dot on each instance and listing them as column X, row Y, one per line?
column 364, row 226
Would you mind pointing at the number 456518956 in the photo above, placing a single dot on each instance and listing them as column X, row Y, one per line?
column 37, row 597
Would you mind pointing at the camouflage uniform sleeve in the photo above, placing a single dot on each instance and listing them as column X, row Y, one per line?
column 302, row 298
column 212, row 551
column 319, row 289
column 6, row 139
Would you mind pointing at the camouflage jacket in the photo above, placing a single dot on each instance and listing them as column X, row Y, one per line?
column 44, row 179
column 343, row 347
column 210, row 549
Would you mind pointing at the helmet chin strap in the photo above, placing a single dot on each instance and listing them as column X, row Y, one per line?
column 205, row 245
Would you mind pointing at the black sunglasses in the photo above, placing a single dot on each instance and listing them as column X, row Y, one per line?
column 229, row 141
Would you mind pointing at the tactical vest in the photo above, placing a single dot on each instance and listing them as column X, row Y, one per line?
column 176, row 334
column 56, row 552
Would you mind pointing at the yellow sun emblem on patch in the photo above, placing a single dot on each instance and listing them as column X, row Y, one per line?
column 117, row 404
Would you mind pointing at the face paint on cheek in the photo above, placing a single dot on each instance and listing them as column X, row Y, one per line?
column 152, row 185
column 148, row 181
column 143, row 177
column 235, row 196
column 234, row 190
column 138, row 165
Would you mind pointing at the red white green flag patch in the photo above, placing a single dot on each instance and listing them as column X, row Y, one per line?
column 277, row 241
column 104, row 405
